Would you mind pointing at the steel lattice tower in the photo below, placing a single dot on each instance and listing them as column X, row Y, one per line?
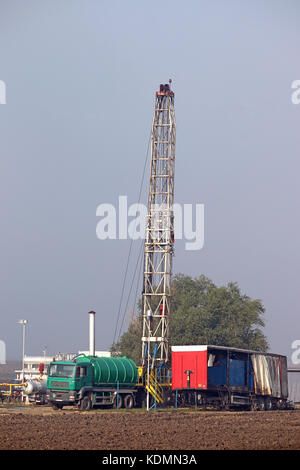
column 159, row 240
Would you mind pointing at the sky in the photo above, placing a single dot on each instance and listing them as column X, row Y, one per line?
column 80, row 80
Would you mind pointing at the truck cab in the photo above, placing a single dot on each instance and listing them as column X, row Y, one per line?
column 67, row 382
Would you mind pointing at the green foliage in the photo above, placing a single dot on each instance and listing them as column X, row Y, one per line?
column 203, row 313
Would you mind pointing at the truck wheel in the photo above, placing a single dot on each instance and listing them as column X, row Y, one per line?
column 129, row 401
column 117, row 404
column 85, row 403
column 56, row 407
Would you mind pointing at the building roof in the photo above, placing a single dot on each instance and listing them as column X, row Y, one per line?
column 205, row 347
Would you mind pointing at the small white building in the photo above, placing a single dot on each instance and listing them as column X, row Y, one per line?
column 31, row 368
column 32, row 364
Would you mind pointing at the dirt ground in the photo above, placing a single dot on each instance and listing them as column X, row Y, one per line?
column 42, row 428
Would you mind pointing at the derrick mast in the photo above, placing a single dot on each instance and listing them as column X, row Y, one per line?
column 159, row 240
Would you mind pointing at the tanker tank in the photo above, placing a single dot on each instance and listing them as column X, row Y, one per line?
column 112, row 370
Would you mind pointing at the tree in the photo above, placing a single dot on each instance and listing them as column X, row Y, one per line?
column 203, row 313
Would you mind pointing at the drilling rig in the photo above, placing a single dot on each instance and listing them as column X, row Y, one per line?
column 159, row 239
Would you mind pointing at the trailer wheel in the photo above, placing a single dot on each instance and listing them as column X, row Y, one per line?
column 129, row 401
column 253, row 404
column 268, row 404
column 261, row 404
column 281, row 404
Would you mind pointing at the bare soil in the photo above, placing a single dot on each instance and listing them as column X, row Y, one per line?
column 40, row 427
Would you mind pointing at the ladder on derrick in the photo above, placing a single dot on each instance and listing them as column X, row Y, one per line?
column 154, row 388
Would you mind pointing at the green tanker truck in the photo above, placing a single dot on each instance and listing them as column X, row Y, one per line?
column 88, row 381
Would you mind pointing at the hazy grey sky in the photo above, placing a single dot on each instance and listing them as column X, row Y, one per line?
column 80, row 82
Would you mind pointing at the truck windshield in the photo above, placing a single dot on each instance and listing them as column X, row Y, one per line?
column 62, row 370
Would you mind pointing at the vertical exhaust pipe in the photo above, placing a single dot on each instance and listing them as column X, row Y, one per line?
column 92, row 333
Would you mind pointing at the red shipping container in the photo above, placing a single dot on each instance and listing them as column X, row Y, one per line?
column 189, row 363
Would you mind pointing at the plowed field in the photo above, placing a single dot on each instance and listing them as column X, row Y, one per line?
column 42, row 428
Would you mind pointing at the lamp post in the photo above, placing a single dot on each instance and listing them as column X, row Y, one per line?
column 24, row 323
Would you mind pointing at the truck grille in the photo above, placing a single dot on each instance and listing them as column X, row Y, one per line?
column 59, row 384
